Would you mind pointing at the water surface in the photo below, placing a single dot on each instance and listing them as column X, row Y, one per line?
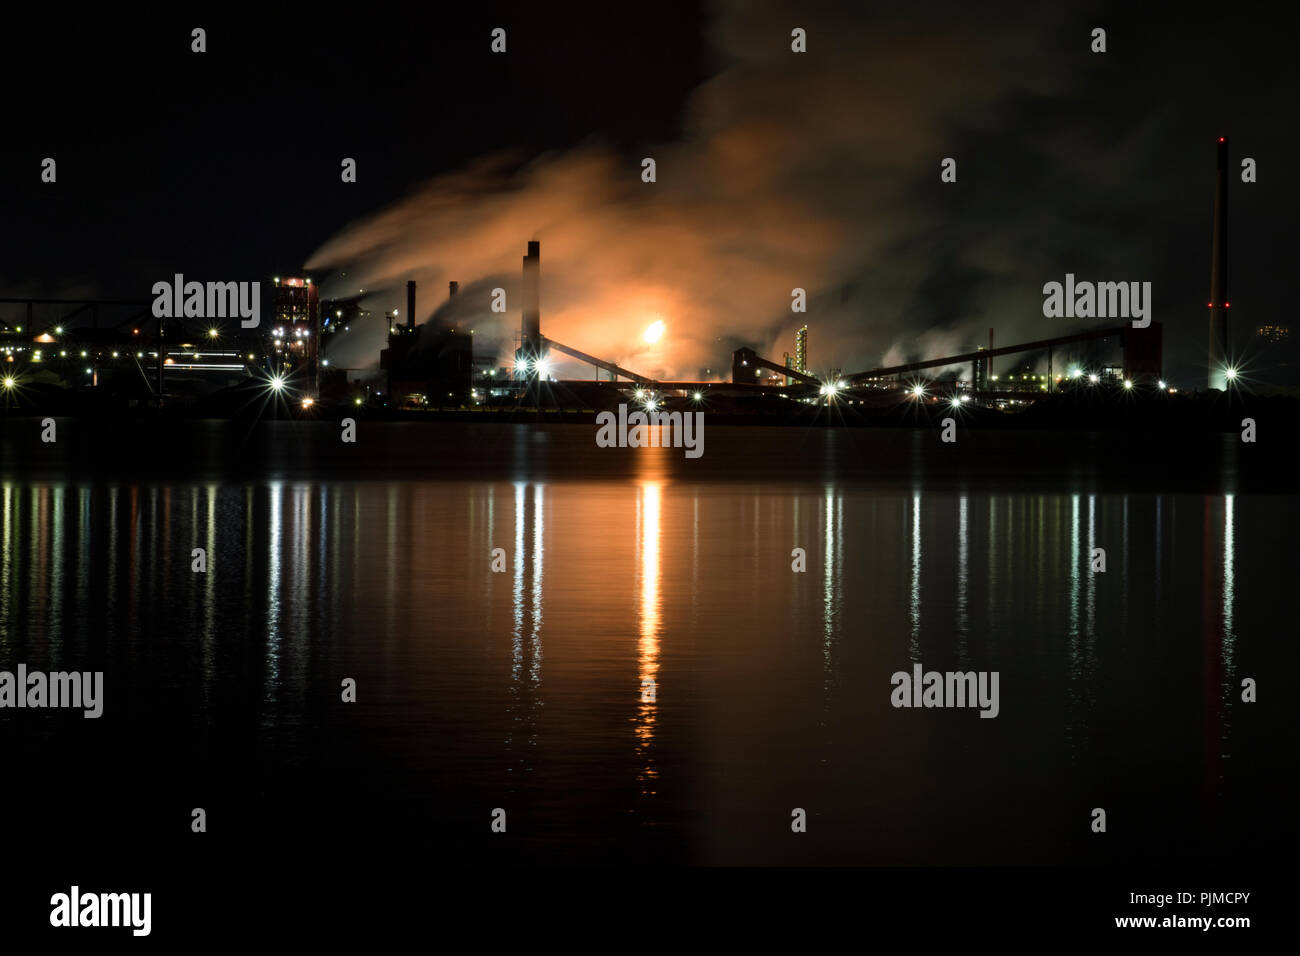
column 526, row 689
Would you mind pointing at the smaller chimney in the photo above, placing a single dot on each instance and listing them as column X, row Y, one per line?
column 452, row 288
column 410, row 304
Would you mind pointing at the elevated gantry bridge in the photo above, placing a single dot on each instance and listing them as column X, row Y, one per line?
column 1141, row 348
column 745, row 364
column 979, row 356
column 599, row 363
column 136, row 310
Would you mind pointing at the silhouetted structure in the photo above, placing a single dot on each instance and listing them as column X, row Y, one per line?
column 427, row 365
column 1218, row 351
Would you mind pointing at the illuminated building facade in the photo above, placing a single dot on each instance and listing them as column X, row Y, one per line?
column 981, row 371
column 294, row 330
column 799, row 361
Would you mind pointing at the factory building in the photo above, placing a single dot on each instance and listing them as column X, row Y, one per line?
column 294, row 331
column 427, row 365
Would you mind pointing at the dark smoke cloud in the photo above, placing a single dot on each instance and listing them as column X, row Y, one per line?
column 821, row 171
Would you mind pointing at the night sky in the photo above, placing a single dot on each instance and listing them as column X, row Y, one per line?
column 818, row 170
column 228, row 162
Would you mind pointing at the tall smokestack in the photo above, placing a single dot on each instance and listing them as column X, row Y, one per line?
column 410, row 304
column 988, row 365
column 532, row 326
column 452, row 288
column 1218, row 353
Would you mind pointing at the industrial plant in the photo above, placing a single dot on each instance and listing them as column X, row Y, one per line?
column 120, row 353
